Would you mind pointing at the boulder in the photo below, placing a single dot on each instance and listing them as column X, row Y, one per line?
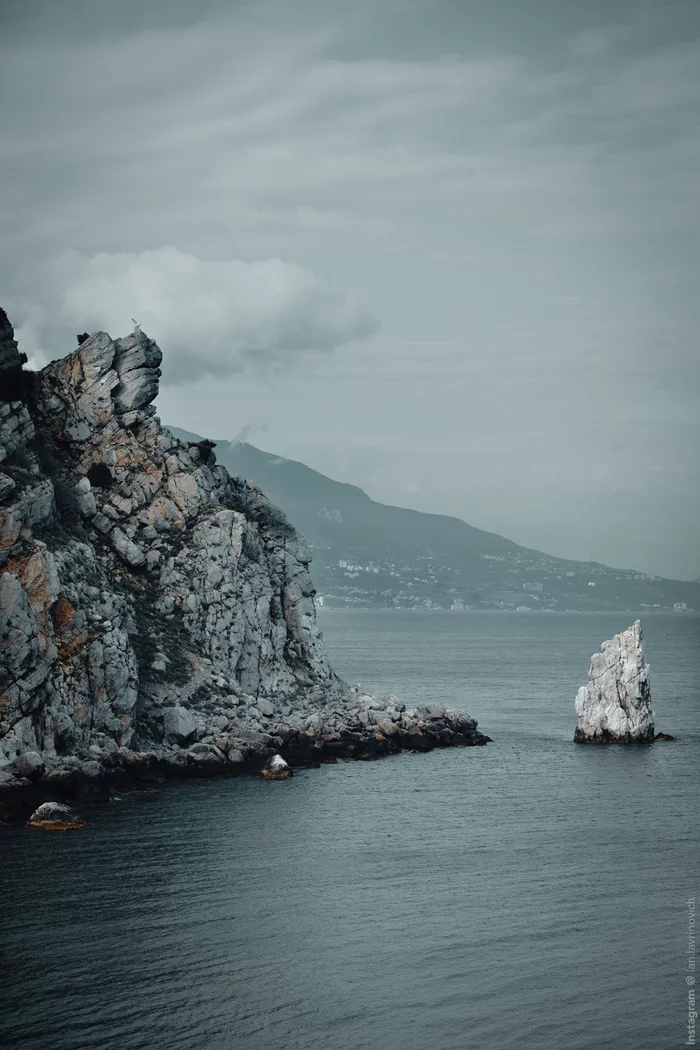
column 179, row 724
column 206, row 749
column 29, row 765
column 615, row 706
column 85, row 498
column 127, row 549
column 136, row 362
column 55, row 816
column 276, row 769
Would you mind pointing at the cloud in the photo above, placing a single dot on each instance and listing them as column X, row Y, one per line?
column 313, row 217
column 209, row 317
column 591, row 43
column 247, row 430
column 518, row 189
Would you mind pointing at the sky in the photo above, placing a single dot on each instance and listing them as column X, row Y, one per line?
column 447, row 250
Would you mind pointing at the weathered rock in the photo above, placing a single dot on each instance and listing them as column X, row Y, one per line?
column 206, row 749
column 85, row 498
column 136, row 362
column 615, row 706
column 7, row 485
column 55, row 816
column 29, row 765
column 150, row 602
column 276, row 769
column 179, row 724
column 127, row 549
column 10, row 357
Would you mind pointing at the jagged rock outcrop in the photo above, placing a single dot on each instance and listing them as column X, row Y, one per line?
column 615, row 706
column 10, row 357
column 156, row 615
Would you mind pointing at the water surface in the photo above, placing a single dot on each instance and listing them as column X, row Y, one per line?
column 528, row 894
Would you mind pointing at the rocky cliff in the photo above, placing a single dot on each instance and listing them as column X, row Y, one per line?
column 156, row 615
column 615, row 706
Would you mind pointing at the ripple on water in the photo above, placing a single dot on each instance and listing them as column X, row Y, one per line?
column 528, row 894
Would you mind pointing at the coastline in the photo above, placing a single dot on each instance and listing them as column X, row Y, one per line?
column 141, row 770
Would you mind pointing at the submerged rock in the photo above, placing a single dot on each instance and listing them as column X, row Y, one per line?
column 276, row 769
column 615, row 706
column 55, row 816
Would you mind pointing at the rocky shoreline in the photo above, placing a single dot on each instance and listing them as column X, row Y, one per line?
column 393, row 730
column 157, row 616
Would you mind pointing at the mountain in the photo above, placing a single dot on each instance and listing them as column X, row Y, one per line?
column 368, row 554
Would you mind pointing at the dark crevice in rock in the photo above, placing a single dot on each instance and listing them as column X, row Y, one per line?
column 100, row 476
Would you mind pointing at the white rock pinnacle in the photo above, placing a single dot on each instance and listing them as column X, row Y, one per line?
column 615, row 706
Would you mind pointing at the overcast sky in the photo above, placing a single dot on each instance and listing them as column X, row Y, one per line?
column 444, row 249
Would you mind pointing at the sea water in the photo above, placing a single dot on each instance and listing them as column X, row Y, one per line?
column 529, row 894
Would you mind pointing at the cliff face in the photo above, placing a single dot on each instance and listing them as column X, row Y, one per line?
column 615, row 706
column 155, row 613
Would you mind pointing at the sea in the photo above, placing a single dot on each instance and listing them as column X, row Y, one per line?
column 529, row 894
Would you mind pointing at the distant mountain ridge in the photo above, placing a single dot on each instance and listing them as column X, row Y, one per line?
column 406, row 558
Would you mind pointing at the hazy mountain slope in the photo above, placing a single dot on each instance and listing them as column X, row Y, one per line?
column 334, row 512
column 370, row 554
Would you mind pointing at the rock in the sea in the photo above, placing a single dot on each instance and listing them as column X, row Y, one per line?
column 55, row 816
column 615, row 706
column 276, row 769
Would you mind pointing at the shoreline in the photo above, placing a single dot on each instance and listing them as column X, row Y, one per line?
column 141, row 770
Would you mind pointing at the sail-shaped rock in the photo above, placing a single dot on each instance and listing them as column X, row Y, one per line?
column 615, row 706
